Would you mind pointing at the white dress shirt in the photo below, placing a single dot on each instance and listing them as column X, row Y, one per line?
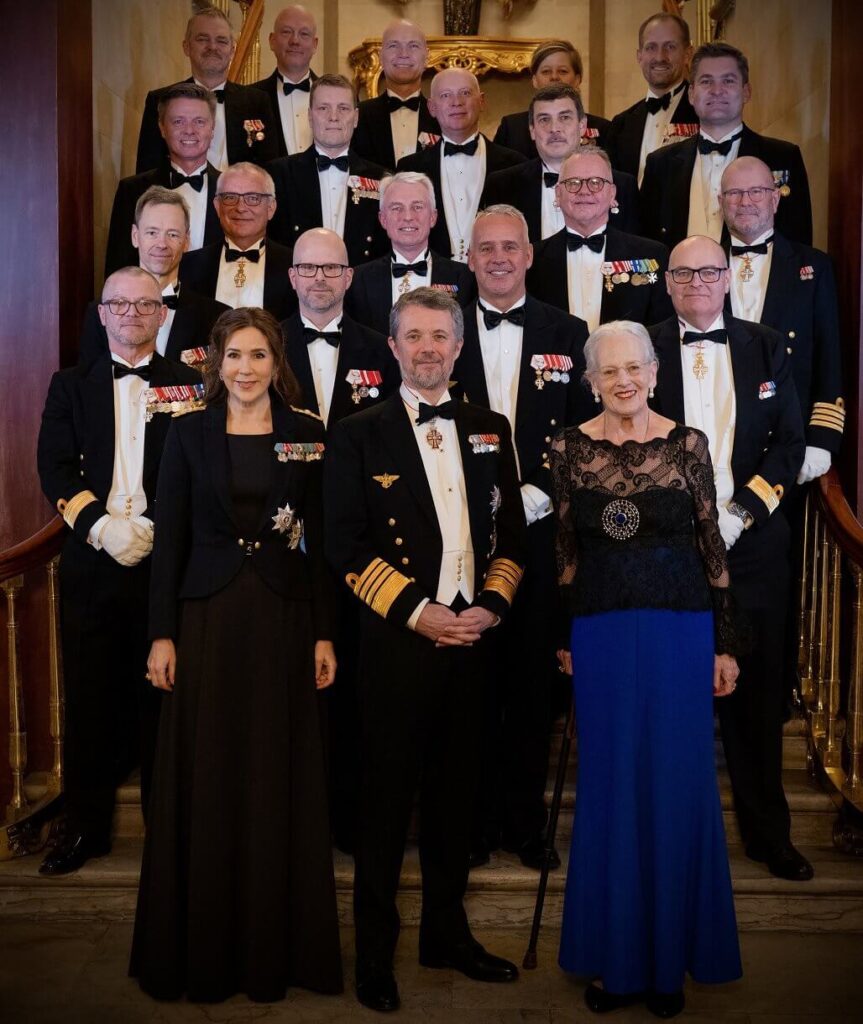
column 324, row 359
column 462, row 178
column 251, row 291
column 747, row 297
column 126, row 498
column 401, row 285
column 405, row 125
column 294, row 115
column 710, row 404
column 165, row 329
column 656, row 127
column 197, row 203
column 705, row 214
column 445, row 474
column 334, row 196
column 584, row 281
column 217, row 154
column 551, row 215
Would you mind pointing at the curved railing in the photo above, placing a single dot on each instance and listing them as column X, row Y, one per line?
column 245, row 67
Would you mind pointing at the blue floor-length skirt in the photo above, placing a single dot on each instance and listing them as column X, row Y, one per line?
column 648, row 891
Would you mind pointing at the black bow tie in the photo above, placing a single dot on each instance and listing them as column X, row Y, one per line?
column 324, row 162
column 219, row 94
column 719, row 336
column 177, row 178
column 446, row 411
column 333, row 338
column 421, row 267
column 492, row 318
column 396, row 103
column 252, row 255
column 575, row 242
column 130, row 371
column 289, row 87
column 550, row 179
column 468, row 148
column 760, row 250
column 657, row 103
column 170, row 300
column 706, row 145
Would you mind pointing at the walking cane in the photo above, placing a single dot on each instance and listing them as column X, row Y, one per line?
column 529, row 962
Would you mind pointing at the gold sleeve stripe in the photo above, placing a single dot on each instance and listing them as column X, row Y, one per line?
column 71, row 509
column 829, row 414
column 379, row 585
column 765, row 492
column 503, row 578
column 818, row 421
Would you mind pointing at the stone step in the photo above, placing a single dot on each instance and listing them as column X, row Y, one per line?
column 500, row 895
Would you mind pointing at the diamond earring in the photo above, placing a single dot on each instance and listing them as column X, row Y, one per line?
column 650, row 392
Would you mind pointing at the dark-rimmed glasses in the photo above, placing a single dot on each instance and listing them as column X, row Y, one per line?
column 143, row 307
column 311, row 269
column 249, row 198
column 756, row 194
column 709, row 275
column 594, row 185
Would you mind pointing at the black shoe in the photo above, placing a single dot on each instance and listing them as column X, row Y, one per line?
column 532, row 854
column 471, row 959
column 73, row 853
column 788, row 863
column 600, row 1001
column 665, row 1004
column 377, row 989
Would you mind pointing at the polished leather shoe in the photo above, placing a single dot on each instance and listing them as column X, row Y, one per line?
column 782, row 861
column 72, row 854
column 665, row 1004
column 377, row 990
column 532, row 854
column 472, row 960
column 599, row 1001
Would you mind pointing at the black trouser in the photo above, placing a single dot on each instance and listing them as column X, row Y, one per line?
column 343, row 726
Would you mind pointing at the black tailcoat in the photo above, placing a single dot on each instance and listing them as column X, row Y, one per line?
column 668, row 176
column 298, row 199
column 119, row 251
column 242, row 103
column 514, row 133
column 370, row 298
column 373, row 138
column 626, row 131
column 646, row 303
column 199, row 270
column 270, row 86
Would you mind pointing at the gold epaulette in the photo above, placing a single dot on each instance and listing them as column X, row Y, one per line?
column 829, row 414
column 771, row 496
column 503, row 577
column 378, row 585
column 307, row 412
column 71, row 509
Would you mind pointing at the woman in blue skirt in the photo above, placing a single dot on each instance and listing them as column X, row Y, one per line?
column 643, row 570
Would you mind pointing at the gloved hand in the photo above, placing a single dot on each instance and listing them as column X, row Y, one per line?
column 816, row 462
column 126, row 541
column 730, row 527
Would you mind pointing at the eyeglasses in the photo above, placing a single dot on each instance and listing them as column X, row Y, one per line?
column 756, row 194
column 145, row 307
column 311, row 269
column 594, row 185
column 709, row 275
column 250, row 198
column 610, row 373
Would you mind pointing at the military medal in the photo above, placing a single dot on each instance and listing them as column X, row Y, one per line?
column 807, row 273
column 254, row 131
column 434, row 438
column 194, row 356
column 427, row 139
column 780, row 179
column 177, row 399
column 286, row 521
column 299, row 451
column 240, row 275
column 550, row 368
column 483, row 443
column 494, row 505
column 746, row 272
column 699, row 367
column 364, row 384
column 363, row 188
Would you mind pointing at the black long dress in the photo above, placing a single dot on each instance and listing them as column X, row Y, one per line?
column 237, row 891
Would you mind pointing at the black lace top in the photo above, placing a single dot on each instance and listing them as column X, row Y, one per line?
column 637, row 527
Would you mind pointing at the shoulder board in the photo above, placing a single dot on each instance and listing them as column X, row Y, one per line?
column 307, row 412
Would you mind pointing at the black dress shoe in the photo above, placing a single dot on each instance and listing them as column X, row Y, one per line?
column 600, row 1001
column 532, row 854
column 665, row 1004
column 377, row 990
column 73, row 853
column 788, row 863
column 471, row 959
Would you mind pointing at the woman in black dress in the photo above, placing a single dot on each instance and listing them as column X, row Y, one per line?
column 237, row 891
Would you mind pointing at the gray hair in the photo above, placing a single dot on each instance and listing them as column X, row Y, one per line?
column 131, row 272
column 609, row 330
column 591, row 151
column 427, row 298
column 408, row 178
column 246, row 167
column 501, row 210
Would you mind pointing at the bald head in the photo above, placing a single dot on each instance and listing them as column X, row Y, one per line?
column 697, row 301
column 749, row 198
column 294, row 41
column 320, row 275
column 404, row 55
column 132, row 332
column 457, row 102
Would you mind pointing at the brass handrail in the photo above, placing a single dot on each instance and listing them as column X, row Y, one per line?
column 245, row 67
column 33, row 552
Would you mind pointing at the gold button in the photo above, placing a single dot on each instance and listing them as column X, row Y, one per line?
column 241, row 542
column 391, row 522
column 405, row 561
column 792, row 334
column 257, row 545
column 399, row 541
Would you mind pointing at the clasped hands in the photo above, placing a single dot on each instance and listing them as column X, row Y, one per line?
column 127, row 541
column 448, row 629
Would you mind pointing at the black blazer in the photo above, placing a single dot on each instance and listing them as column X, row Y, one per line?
column 522, row 186
column 668, row 174
column 373, row 138
column 193, row 320
column 75, row 451
column 119, row 251
column 198, row 548
column 805, row 312
column 646, row 303
column 381, row 522
column 199, row 270
column 360, row 349
column 540, row 412
column 427, row 161
column 626, row 132
column 270, row 86
column 242, row 103
column 298, row 205
column 370, row 298
column 514, row 133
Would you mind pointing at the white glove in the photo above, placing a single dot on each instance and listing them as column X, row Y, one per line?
column 730, row 527
column 127, row 541
column 537, row 504
column 816, row 462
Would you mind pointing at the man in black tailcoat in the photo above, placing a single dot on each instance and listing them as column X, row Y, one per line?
column 98, row 457
column 425, row 525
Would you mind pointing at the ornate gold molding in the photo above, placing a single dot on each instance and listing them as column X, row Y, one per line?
column 479, row 54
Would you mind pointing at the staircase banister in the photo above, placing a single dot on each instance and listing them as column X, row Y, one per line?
column 35, row 551
column 844, row 525
column 246, row 40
